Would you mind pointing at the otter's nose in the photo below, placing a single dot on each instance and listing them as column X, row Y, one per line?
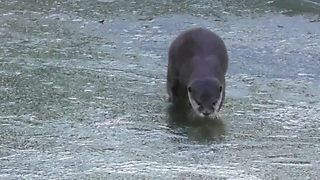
column 206, row 113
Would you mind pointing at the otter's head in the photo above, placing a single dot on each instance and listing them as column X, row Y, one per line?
column 205, row 96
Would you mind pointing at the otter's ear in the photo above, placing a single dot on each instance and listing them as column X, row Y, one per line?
column 220, row 88
column 189, row 89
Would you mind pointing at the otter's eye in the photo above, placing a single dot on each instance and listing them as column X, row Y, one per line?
column 220, row 88
column 190, row 89
column 214, row 103
column 199, row 104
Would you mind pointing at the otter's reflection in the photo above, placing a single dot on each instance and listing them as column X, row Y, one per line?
column 199, row 129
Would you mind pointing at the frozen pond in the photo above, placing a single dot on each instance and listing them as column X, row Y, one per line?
column 84, row 100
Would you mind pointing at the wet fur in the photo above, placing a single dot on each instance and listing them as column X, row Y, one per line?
column 196, row 53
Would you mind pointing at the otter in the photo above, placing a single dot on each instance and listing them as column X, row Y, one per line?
column 197, row 65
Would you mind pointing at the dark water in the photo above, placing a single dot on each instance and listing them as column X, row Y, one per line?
column 85, row 100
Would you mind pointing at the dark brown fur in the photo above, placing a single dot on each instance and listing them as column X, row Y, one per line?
column 196, row 53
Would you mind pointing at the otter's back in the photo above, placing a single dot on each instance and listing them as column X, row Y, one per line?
column 197, row 42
